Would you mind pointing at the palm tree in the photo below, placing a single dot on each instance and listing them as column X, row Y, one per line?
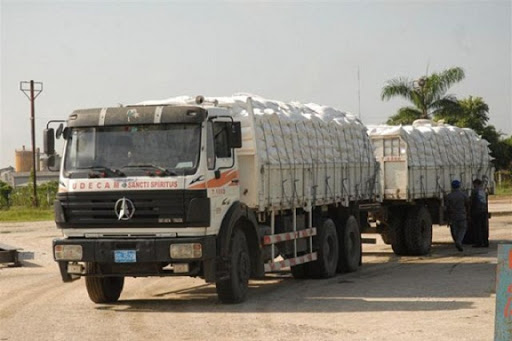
column 473, row 113
column 427, row 95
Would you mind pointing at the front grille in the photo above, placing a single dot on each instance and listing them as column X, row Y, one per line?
column 152, row 208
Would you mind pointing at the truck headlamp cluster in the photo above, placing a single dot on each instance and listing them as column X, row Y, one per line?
column 68, row 252
column 186, row 251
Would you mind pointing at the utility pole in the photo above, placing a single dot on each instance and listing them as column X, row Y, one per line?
column 32, row 94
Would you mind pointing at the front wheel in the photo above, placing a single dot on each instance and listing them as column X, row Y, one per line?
column 233, row 289
column 103, row 289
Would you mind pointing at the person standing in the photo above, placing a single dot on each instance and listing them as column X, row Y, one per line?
column 456, row 208
column 479, row 214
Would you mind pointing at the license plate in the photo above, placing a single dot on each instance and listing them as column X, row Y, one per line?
column 125, row 256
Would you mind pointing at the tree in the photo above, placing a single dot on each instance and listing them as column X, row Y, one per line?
column 473, row 113
column 427, row 95
column 501, row 148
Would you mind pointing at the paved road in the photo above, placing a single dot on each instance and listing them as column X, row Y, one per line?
column 445, row 296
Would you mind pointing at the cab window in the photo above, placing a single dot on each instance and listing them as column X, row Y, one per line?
column 220, row 135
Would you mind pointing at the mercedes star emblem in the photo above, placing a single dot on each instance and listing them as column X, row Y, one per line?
column 124, row 209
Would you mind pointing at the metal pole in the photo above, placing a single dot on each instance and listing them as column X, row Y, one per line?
column 32, row 95
column 32, row 124
column 358, row 93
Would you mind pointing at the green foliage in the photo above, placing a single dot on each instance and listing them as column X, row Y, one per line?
column 22, row 196
column 427, row 95
column 474, row 113
column 405, row 116
column 502, row 152
column 429, row 99
column 5, row 190
column 505, row 188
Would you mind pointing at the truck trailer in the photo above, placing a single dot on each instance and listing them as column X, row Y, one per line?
column 418, row 162
column 225, row 189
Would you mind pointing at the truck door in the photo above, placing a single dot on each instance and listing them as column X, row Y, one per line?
column 222, row 177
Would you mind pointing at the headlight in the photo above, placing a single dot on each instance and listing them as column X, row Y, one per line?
column 68, row 252
column 186, row 251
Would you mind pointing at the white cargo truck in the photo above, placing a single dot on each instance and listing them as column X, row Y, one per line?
column 221, row 188
column 417, row 165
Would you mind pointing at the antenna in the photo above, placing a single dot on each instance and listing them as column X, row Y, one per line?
column 358, row 92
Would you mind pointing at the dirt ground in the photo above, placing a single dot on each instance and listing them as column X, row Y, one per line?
column 447, row 295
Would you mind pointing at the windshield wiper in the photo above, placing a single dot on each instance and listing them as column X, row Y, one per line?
column 97, row 169
column 159, row 171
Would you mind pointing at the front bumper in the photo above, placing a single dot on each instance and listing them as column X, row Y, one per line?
column 152, row 256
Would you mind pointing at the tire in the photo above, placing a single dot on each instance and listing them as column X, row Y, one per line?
column 103, row 289
column 326, row 244
column 383, row 231
column 418, row 231
column 350, row 246
column 300, row 271
column 396, row 231
column 386, row 238
column 234, row 288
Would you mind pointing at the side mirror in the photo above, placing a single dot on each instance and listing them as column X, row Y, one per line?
column 65, row 133
column 58, row 133
column 49, row 141
column 235, row 135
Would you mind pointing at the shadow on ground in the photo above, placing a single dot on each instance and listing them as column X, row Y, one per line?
column 445, row 280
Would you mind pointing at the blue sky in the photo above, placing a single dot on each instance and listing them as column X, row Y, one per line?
column 95, row 54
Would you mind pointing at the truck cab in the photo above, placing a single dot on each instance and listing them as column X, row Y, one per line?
column 143, row 191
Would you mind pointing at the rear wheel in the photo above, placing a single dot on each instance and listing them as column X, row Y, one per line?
column 418, row 231
column 383, row 230
column 299, row 271
column 385, row 237
column 350, row 246
column 103, row 289
column 326, row 243
column 396, row 231
column 233, row 289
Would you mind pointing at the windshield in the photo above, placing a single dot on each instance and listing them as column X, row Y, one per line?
column 163, row 149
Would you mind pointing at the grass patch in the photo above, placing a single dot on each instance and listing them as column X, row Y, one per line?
column 504, row 190
column 18, row 213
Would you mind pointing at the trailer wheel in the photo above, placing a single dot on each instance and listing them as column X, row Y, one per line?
column 383, row 230
column 103, row 289
column 299, row 271
column 386, row 238
column 326, row 243
column 418, row 231
column 350, row 246
column 396, row 231
column 234, row 288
